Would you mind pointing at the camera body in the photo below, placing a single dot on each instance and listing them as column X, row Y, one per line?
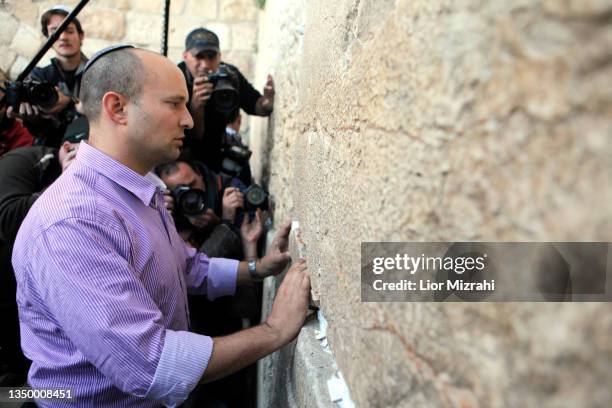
column 235, row 158
column 33, row 91
column 189, row 201
column 224, row 95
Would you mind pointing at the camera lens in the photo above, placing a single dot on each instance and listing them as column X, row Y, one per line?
column 43, row 94
column 225, row 99
column 255, row 195
column 192, row 202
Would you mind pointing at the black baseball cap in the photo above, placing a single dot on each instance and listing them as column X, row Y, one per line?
column 202, row 39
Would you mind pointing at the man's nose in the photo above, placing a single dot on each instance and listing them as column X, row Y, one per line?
column 186, row 119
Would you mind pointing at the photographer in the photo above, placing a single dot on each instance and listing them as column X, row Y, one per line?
column 24, row 174
column 236, row 164
column 202, row 60
column 12, row 133
column 215, row 238
column 64, row 73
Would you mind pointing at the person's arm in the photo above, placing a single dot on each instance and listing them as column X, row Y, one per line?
column 19, row 190
column 79, row 272
column 236, row 351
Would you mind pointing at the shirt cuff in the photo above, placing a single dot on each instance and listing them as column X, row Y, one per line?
column 222, row 275
column 183, row 360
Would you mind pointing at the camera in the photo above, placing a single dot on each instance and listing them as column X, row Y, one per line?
column 234, row 159
column 189, row 201
column 33, row 91
column 224, row 95
column 255, row 197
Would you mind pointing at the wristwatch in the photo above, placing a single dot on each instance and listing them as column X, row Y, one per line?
column 252, row 266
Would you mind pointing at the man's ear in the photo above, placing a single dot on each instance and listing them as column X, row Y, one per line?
column 114, row 106
column 66, row 146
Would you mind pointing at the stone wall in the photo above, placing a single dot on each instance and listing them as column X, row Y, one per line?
column 136, row 22
column 440, row 120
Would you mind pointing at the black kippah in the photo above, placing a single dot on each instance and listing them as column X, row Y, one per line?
column 103, row 52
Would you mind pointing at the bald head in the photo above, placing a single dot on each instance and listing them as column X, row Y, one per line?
column 122, row 71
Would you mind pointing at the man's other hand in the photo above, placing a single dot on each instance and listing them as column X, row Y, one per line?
column 291, row 304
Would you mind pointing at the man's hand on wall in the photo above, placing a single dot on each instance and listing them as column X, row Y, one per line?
column 265, row 104
column 277, row 257
column 291, row 303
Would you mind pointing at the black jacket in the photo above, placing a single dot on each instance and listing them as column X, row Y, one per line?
column 208, row 150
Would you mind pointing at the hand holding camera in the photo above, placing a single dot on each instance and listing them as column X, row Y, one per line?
column 232, row 200
column 202, row 90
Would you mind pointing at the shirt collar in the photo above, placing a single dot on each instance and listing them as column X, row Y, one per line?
column 117, row 172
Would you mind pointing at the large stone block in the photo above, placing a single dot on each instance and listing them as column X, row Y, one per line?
column 244, row 37
column 148, row 6
column 103, row 24
column 577, row 8
column 205, row 10
column 18, row 67
column 93, row 45
column 26, row 41
column 122, row 5
column 7, row 57
column 238, row 10
column 179, row 27
column 9, row 27
column 143, row 29
column 26, row 12
column 243, row 61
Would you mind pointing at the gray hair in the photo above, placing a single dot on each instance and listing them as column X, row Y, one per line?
column 119, row 71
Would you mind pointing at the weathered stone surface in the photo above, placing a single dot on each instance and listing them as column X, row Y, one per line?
column 9, row 27
column 17, row 67
column 179, row 27
column 205, row 10
column 244, row 37
column 103, row 24
column 26, row 41
column 434, row 120
column 238, row 10
column 143, row 29
column 49, row 4
column 25, row 12
column 93, row 45
column 243, row 61
column 122, row 5
column 147, row 6
column 7, row 57
column 577, row 8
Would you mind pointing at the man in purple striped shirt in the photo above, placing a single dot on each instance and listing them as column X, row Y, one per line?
column 103, row 275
